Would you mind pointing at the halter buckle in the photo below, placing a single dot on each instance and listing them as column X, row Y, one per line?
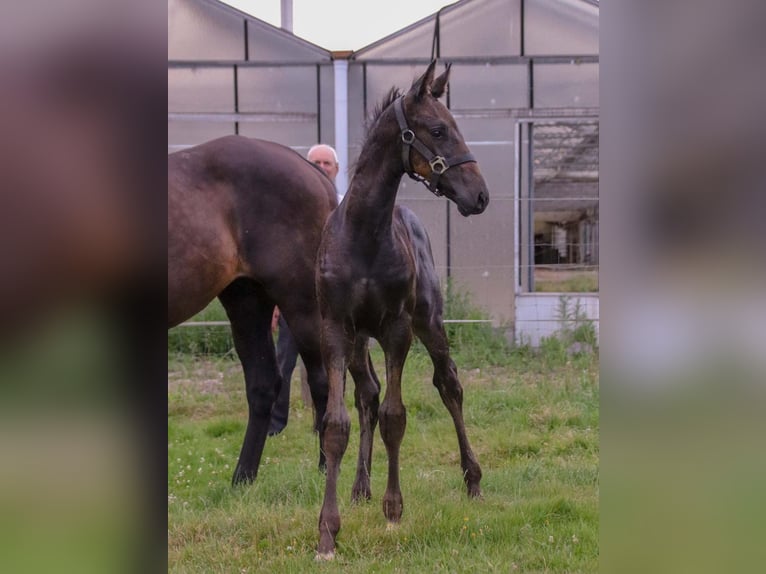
column 408, row 136
column 438, row 165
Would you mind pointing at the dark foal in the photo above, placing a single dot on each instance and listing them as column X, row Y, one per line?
column 245, row 218
column 376, row 278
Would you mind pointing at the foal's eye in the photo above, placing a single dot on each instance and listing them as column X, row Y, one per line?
column 437, row 133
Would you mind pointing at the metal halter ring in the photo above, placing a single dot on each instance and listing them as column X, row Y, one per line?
column 408, row 136
column 438, row 165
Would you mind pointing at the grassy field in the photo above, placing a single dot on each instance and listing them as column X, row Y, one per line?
column 532, row 419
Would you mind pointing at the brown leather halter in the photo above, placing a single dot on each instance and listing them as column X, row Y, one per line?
column 439, row 164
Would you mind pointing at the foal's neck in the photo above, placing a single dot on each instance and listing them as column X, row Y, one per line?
column 372, row 193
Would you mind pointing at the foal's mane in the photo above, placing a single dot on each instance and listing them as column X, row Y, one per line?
column 380, row 107
column 389, row 99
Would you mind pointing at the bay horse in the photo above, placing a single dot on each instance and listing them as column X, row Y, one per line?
column 245, row 217
column 376, row 278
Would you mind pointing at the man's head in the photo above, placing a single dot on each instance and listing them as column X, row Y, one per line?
column 325, row 158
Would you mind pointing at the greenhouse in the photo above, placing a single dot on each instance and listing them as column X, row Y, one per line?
column 523, row 90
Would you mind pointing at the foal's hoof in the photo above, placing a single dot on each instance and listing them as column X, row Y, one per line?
column 324, row 556
column 242, row 477
column 475, row 492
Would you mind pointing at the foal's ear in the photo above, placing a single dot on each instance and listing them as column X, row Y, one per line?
column 422, row 85
column 440, row 83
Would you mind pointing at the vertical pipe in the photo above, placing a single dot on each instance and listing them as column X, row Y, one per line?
column 531, row 208
column 319, row 104
column 449, row 241
column 340, row 68
column 364, row 88
column 516, row 210
column 247, row 43
column 236, row 98
column 286, row 14
column 522, row 25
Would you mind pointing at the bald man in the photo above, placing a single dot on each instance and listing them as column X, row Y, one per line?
column 326, row 159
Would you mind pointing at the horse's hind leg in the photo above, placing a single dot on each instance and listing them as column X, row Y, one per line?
column 249, row 311
column 431, row 333
column 366, row 397
column 287, row 356
column 306, row 336
column 317, row 381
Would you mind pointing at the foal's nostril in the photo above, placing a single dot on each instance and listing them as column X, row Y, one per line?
column 482, row 201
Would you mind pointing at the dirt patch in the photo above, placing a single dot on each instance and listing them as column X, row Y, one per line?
column 205, row 378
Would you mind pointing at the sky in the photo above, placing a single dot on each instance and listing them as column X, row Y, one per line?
column 343, row 24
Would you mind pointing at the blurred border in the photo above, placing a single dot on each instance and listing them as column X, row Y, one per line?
column 83, row 141
column 683, row 314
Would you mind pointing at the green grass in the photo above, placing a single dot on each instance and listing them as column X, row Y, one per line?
column 532, row 418
column 585, row 282
column 214, row 339
column 533, row 422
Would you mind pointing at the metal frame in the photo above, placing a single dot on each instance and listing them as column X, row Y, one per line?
column 531, row 117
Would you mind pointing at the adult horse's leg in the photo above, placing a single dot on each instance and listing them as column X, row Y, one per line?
column 305, row 334
column 366, row 398
column 287, row 356
column 431, row 333
column 249, row 311
column 393, row 416
column 336, row 428
column 317, row 381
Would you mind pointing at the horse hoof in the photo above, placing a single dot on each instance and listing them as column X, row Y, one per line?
column 276, row 426
column 324, row 556
column 392, row 526
column 242, row 478
column 361, row 495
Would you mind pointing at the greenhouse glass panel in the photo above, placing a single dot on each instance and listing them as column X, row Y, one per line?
column 488, row 86
column 283, row 89
column 491, row 141
column 204, row 31
column 327, row 105
column 381, row 78
column 560, row 237
column 200, row 90
column 183, row 134
column 560, row 27
column 412, row 42
column 297, row 135
column 481, row 28
column 269, row 44
column 566, row 85
column 356, row 112
column 481, row 256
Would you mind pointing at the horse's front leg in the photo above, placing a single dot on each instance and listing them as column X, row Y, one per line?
column 335, row 432
column 432, row 335
column 366, row 396
column 393, row 416
column 250, row 315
